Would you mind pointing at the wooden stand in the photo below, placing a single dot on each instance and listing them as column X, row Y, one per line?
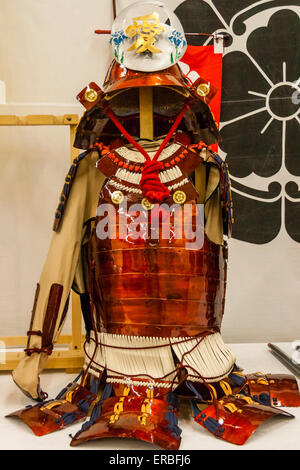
column 146, row 113
column 72, row 357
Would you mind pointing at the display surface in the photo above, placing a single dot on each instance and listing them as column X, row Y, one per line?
column 146, row 250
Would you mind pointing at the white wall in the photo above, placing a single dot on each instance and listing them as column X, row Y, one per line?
column 48, row 53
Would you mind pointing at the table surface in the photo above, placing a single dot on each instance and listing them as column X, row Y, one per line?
column 277, row 433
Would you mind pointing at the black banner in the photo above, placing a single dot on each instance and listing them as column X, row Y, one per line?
column 260, row 110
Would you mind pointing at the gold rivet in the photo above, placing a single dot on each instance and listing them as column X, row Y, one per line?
column 90, row 95
column 179, row 197
column 147, row 204
column 203, row 89
column 117, row 197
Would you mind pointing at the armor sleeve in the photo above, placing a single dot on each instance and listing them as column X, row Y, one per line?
column 52, row 293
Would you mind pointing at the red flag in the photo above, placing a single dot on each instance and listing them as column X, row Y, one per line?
column 202, row 61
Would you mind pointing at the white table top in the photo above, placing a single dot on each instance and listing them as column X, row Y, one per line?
column 277, row 433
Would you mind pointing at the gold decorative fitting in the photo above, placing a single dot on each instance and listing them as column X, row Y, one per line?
column 146, row 408
column 69, row 395
column 119, row 405
column 232, row 408
column 146, row 28
column 117, row 197
column 179, row 197
column 203, row 89
column 245, row 398
column 52, row 404
column 262, row 381
column 90, row 95
column 147, row 204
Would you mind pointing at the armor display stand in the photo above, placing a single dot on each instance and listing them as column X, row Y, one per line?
column 146, row 113
column 70, row 359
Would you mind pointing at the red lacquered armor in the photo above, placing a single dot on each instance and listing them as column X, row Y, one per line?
column 156, row 287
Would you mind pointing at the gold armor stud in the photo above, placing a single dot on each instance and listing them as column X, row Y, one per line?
column 179, row 197
column 90, row 95
column 203, row 89
column 147, row 204
column 117, row 197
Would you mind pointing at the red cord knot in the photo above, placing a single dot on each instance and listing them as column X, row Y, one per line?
column 153, row 189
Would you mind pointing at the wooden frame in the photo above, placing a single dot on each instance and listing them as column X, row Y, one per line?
column 70, row 358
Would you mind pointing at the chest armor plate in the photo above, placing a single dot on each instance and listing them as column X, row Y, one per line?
column 145, row 281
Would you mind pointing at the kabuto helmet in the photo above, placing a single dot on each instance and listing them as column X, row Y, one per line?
column 148, row 42
column 119, row 77
column 147, row 37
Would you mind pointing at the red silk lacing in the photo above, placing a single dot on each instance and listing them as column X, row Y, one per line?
column 152, row 188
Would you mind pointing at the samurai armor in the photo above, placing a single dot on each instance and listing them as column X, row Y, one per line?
column 146, row 249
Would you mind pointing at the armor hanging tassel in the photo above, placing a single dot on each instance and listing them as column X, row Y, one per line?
column 153, row 189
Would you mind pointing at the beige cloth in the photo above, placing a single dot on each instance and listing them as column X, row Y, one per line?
column 213, row 210
column 64, row 264
column 61, row 263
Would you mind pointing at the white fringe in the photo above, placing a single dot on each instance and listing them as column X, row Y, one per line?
column 125, row 175
column 177, row 185
column 131, row 189
column 137, row 157
column 154, row 362
column 211, row 358
column 92, row 362
column 165, row 176
column 128, row 189
column 170, row 175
